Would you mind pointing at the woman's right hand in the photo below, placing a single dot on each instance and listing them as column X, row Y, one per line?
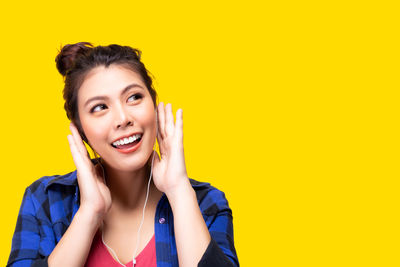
column 95, row 197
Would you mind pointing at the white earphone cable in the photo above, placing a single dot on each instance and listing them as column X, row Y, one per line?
column 144, row 207
column 141, row 223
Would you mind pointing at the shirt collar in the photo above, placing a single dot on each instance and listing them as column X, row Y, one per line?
column 68, row 179
column 197, row 184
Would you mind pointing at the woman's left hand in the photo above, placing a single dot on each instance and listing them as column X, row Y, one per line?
column 169, row 171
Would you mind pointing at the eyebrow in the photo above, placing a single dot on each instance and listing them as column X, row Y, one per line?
column 105, row 97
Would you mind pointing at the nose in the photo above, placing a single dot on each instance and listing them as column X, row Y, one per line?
column 122, row 118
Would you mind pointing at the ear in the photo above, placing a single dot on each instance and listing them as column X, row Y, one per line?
column 78, row 125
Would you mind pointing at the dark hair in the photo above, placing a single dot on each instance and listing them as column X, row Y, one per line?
column 75, row 61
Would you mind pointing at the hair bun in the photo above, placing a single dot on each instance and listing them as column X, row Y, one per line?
column 66, row 57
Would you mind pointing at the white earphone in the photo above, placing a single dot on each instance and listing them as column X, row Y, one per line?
column 144, row 207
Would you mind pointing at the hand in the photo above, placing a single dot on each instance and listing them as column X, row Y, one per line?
column 169, row 172
column 95, row 196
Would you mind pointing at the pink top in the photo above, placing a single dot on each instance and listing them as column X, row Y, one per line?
column 100, row 256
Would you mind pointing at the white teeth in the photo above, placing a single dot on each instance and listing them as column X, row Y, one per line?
column 127, row 140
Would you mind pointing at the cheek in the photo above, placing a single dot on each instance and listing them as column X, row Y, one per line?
column 145, row 116
column 147, row 120
column 94, row 131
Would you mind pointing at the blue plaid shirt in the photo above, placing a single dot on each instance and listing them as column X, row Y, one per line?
column 50, row 203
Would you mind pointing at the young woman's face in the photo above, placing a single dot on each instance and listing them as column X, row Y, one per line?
column 118, row 117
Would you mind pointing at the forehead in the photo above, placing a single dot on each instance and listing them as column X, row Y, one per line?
column 108, row 80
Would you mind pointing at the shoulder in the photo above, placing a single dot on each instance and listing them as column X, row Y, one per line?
column 36, row 191
column 55, row 183
column 211, row 199
column 43, row 184
column 44, row 192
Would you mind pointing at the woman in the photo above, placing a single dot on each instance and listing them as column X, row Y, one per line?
column 129, row 206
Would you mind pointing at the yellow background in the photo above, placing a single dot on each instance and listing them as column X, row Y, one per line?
column 290, row 108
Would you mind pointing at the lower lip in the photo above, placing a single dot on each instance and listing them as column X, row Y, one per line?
column 130, row 149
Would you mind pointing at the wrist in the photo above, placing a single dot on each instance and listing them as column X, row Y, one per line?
column 89, row 217
column 180, row 191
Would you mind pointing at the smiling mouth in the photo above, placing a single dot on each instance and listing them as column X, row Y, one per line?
column 127, row 142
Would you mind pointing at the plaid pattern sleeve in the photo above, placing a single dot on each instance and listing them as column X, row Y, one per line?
column 29, row 232
column 218, row 217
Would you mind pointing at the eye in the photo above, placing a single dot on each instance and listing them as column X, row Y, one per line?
column 98, row 108
column 134, row 97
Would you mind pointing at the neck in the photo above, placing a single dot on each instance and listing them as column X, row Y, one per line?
column 128, row 189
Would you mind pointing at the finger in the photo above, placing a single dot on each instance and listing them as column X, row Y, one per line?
column 179, row 123
column 156, row 165
column 160, row 144
column 76, row 155
column 161, row 119
column 82, row 167
column 78, row 140
column 169, row 120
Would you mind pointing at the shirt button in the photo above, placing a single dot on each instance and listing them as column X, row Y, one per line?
column 161, row 220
